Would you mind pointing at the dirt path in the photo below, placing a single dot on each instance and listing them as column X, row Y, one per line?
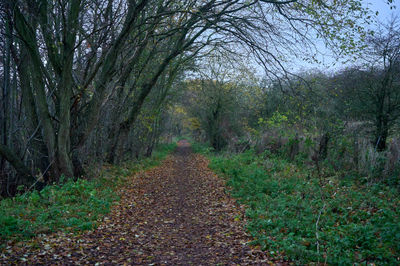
column 174, row 214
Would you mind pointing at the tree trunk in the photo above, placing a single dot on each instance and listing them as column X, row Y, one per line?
column 382, row 132
column 18, row 165
column 323, row 146
column 5, row 112
column 356, row 152
column 64, row 159
column 294, row 147
column 106, row 73
column 27, row 33
column 114, row 139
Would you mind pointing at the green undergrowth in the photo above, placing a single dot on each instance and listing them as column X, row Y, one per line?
column 201, row 148
column 73, row 206
column 307, row 219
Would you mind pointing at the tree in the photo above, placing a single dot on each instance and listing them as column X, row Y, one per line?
column 221, row 100
column 72, row 56
column 372, row 93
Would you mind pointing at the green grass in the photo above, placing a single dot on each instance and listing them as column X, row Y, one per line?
column 357, row 223
column 73, row 206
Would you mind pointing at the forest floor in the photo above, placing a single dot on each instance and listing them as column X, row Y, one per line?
column 178, row 213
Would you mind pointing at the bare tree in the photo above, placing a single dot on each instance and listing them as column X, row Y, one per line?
column 70, row 57
column 372, row 92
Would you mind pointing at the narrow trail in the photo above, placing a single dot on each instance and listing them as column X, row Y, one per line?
column 175, row 214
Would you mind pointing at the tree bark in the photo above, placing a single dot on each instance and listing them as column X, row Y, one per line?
column 65, row 88
column 27, row 33
column 323, row 146
column 18, row 165
column 382, row 132
column 106, row 73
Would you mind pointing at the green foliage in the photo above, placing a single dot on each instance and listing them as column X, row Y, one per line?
column 201, row 148
column 277, row 119
column 159, row 154
column 357, row 223
column 73, row 206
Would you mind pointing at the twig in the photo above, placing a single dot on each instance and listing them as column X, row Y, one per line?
column 316, row 229
column 39, row 179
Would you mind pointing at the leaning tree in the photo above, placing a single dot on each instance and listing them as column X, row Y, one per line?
column 64, row 60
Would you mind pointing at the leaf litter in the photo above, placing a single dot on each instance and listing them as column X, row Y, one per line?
column 178, row 213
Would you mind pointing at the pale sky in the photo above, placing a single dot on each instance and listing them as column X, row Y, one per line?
column 385, row 12
column 383, row 8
